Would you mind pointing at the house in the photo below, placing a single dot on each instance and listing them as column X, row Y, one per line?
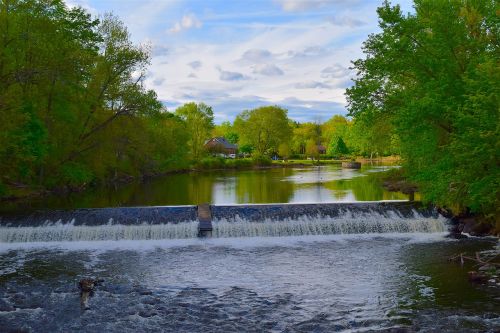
column 321, row 149
column 219, row 145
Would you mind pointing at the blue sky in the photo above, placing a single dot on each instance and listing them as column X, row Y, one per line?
column 237, row 55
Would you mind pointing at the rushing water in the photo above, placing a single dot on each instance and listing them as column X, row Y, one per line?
column 312, row 184
column 349, row 222
column 369, row 267
column 338, row 283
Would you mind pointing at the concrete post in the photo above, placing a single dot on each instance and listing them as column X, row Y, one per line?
column 204, row 220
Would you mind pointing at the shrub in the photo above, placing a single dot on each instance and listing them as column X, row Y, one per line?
column 260, row 160
column 76, row 174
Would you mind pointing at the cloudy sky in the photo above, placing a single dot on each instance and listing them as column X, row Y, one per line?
column 240, row 54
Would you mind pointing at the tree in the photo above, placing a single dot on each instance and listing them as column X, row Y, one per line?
column 284, row 150
column 312, row 149
column 338, row 147
column 432, row 77
column 335, row 127
column 199, row 120
column 264, row 128
column 73, row 107
column 227, row 131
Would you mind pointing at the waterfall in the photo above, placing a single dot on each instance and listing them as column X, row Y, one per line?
column 69, row 232
column 318, row 225
column 235, row 221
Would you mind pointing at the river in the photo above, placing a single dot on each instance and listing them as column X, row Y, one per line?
column 362, row 271
column 327, row 183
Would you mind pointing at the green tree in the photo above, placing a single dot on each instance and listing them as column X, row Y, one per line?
column 227, row 131
column 264, row 128
column 312, row 149
column 73, row 107
column 433, row 76
column 338, row 147
column 284, row 150
column 199, row 120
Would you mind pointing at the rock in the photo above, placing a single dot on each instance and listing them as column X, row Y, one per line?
column 84, row 300
column 86, row 285
column 351, row 165
column 472, row 226
column 456, row 235
column 486, row 267
column 6, row 307
column 476, row 277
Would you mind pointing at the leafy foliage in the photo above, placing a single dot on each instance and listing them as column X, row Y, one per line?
column 73, row 108
column 264, row 128
column 432, row 80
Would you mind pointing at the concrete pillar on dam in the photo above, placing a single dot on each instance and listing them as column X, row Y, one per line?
column 204, row 220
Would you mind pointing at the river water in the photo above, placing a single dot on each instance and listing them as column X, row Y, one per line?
column 335, row 283
column 370, row 271
column 311, row 184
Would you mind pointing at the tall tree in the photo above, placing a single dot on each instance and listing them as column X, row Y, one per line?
column 199, row 120
column 264, row 128
column 434, row 77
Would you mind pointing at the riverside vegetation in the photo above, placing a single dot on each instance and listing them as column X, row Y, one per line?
column 74, row 110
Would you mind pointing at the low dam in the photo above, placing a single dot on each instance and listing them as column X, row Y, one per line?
column 220, row 221
column 330, row 267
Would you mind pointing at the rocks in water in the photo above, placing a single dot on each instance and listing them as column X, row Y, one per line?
column 351, row 165
column 456, row 235
column 474, row 227
column 487, row 268
column 87, row 287
column 476, row 277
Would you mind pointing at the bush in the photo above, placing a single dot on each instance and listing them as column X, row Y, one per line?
column 3, row 190
column 298, row 156
column 238, row 163
column 75, row 174
column 208, row 163
column 260, row 160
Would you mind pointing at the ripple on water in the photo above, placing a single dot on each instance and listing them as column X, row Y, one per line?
column 301, row 284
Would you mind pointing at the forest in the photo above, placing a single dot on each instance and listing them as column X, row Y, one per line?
column 75, row 112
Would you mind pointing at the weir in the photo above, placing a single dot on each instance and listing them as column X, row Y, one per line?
column 180, row 222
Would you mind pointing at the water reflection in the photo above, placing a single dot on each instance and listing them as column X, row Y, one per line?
column 314, row 184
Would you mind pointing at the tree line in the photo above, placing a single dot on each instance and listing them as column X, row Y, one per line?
column 74, row 109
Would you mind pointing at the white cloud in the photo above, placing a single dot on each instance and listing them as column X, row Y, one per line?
column 187, row 22
column 231, row 76
column 82, row 3
column 268, row 70
column 351, row 22
column 256, row 55
column 158, row 81
column 335, row 71
column 195, row 64
column 312, row 85
column 260, row 67
column 303, row 5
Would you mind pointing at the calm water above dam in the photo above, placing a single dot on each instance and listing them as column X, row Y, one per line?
column 279, row 185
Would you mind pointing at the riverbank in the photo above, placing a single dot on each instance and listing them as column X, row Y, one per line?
column 465, row 222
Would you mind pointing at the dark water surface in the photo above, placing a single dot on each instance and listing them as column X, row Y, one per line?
column 360, row 271
column 339, row 283
column 278, row 185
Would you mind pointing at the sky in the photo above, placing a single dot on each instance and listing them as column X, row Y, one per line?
column 236, row 55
